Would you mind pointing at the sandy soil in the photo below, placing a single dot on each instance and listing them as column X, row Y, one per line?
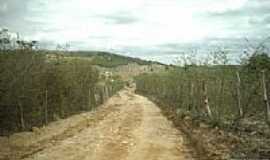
column 126, row 127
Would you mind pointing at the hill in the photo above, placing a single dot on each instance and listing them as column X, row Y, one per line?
column 107, row 59
column 113, row 64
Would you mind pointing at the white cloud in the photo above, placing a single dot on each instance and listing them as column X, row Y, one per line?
column 123, row 24
column 224, row 5
column 156, row 23
column 3, row 7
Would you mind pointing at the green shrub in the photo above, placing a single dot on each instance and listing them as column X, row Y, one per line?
column 35, row 90
column 183, row 89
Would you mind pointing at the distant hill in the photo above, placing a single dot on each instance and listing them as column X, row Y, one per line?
column 106, row 62
column 107, row 59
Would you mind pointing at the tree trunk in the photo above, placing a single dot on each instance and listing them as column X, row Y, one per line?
column 21, row 107
column 191, row 98
column 46, row 107
column 89, row 99
column 240, row 109
column 101, row 96
column 106, row 95
column 220, row 96
column 21, row 116
column 92, row 97
column 61, row 107
column 206, row 101
column 266, row 101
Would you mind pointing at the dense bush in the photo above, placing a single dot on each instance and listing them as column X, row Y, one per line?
column 35, row 89
column 232, row 98
column 185, row 90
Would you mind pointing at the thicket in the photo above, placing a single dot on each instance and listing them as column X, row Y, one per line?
column 35, row 89
column 186, row 90
column 232, row 97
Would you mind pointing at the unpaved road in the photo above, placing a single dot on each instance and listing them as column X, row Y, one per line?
column 126, row 127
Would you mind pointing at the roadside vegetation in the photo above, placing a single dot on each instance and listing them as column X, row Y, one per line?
column 36, row 89
column 230, row 99
column 223, row 109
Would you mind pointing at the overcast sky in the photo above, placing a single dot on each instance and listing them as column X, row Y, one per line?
column 152, row 29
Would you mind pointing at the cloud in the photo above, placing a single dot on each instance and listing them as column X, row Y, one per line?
column 11, row 9
column 266, row 20
column 3, row 7
column 14, row 17
column 123, row 17
column 260, row 21
column 152, row 28
column 249, row 8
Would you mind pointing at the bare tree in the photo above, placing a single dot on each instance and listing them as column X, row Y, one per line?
column 240, row 109
column 265, row 97
column 206, row 101
column 4, row 39
column 27, row 45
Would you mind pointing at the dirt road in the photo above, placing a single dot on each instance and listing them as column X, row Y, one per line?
column 127, row 127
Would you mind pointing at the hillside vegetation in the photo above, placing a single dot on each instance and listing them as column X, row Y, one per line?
column 106, row 59
column 124, row 67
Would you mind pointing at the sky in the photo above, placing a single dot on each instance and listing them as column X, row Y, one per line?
column 150, row 29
